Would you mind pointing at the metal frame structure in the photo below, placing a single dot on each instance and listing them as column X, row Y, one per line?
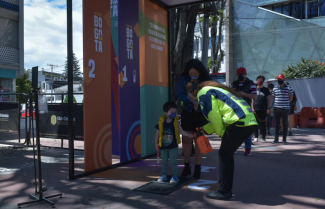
column 38, row 182
column 72, row 175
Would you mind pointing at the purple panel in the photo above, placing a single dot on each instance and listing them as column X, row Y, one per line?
column 129, row 88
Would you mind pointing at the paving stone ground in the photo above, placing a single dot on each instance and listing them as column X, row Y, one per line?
column 275, row 176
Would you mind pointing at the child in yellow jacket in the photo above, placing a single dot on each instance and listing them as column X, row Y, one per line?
column 168, row 138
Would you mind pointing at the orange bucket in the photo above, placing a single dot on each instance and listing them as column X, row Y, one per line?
column 203, row 143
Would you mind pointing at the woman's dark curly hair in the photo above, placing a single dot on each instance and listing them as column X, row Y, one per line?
column 197, row 65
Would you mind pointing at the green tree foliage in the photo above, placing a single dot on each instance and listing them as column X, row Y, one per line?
column 77, row 75
column 66, row 99
column 24, row 85
column 305, row 69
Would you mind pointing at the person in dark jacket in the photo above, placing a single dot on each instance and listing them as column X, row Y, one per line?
column 261, row 107
column 247, row 89
column 191, row 116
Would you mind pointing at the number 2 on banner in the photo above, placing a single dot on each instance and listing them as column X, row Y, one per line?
column 91, row 63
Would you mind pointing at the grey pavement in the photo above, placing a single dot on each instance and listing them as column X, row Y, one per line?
column 274, row 176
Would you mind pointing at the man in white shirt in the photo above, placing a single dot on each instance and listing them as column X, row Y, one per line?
column 283, row 95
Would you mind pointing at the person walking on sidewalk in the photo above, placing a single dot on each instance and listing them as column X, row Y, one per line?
column 247, row 89
column 270, row 116
column 283, row 95
column 168, row 138
column 261, row 107
column 230, row 117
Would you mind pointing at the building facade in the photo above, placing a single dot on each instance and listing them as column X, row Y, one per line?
column 265, row 36
column 11, row 44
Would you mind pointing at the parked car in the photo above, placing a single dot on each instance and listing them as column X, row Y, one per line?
column 23, row 113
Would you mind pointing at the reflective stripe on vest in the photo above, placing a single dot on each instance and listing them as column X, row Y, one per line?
column 235, row 104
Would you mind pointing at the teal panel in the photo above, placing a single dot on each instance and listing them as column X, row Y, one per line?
column 6, row 73
column 152, row 99
column 114, row 25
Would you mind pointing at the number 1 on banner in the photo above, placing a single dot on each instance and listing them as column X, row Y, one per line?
column 91, row 63
column 124, row 77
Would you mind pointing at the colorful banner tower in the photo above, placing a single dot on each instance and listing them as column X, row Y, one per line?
column 126, row 78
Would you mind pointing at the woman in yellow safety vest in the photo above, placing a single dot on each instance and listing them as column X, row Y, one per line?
column 232, row 119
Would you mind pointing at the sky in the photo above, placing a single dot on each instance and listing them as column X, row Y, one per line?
column 45, row 33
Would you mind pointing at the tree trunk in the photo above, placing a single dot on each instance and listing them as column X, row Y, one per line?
column 205, row 41
column 188, row 48
column 178, row 50
column 213, row 45
column 172, row 32
column 220, row 32
column 181, row 34
column 183, row 49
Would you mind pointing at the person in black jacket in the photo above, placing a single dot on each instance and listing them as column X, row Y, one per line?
column 247, row 89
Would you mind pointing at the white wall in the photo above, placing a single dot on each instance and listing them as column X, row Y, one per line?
column 309, row 91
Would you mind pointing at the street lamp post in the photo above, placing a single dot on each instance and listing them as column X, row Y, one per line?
column 52, row 78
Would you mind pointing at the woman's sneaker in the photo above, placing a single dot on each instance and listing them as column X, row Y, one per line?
column 255, row 140
column 174, row 179
column 162, row 178
column 247, row 152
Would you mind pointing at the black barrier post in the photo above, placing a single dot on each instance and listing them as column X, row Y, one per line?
column 19, row 118
column 28, row 108
column 70, row 89
column 39, row 163
column 26, row 134
column 31, row 115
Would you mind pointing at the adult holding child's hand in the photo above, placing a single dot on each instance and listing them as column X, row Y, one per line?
column 191, row 116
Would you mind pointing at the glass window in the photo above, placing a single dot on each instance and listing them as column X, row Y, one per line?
column 8, row 33
column 287, row 9
column 209, row 43
column 278, row 8
column 300, row 10
column 321, row 7
column 312, row 9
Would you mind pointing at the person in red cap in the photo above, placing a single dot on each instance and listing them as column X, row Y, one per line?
column 283, row 95
column 247, row 89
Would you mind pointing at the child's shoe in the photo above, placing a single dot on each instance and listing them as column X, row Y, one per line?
column 162, row 178
column 174, row 179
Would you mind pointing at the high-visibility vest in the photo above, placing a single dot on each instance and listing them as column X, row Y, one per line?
column 222, row 108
